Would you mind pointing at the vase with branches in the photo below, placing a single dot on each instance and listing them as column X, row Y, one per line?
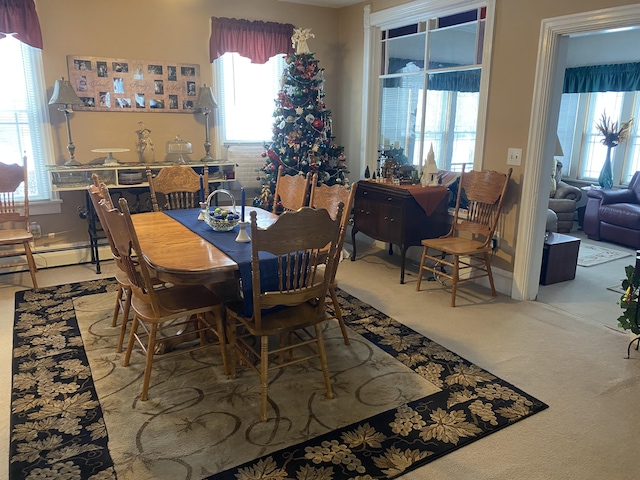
column 613, row 135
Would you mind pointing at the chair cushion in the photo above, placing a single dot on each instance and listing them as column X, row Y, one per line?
column 625, row 215
column 562, row 205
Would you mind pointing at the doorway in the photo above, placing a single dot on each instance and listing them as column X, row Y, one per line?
column 547, row 91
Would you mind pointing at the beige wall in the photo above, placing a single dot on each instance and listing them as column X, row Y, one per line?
column 161, row 30
column 178, row 30
column 513, row 69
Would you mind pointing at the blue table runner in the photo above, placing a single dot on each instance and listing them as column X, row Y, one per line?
column 239, row 252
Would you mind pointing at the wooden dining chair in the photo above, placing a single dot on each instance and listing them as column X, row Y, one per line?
column 329, row 197
column 180, row 186
column 98, row 191
column 162, row 312
column 15, row 230
column 294, row 298
column 292, row 191
column 464, row 253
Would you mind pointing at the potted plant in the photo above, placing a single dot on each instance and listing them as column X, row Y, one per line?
column 629, row 320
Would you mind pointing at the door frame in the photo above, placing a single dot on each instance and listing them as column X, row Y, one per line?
column 541, row 141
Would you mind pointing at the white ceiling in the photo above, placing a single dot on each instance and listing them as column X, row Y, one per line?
column 325, row 3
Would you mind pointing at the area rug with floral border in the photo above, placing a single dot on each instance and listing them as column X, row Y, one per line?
column 58, row 429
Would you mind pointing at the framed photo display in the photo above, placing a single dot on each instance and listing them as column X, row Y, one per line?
column 118, row 85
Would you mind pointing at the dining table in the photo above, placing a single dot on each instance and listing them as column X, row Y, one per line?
column 179, row 252
column 181, row 249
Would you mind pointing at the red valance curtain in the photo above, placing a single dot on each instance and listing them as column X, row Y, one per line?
column 20, row 17
column 255, row 40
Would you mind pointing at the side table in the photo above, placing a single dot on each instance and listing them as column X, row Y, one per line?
column 559, row 258
column 581, row 205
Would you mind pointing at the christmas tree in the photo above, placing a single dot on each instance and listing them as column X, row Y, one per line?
column 302, row 136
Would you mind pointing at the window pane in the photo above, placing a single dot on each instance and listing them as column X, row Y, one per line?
column 464, row 130
column 453, row 46
column 405, row 51
column 566, row 128
column 400, row 106
column 435, row 125
column 24, row 115
column 247, row 104
column 593, row 151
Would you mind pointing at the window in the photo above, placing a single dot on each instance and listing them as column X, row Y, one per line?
column 429, row 86
column 584, row 153
column 24, row 116
column 248, row 91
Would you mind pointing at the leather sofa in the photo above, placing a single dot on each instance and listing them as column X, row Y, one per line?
column 562, row 200
column 614, row 215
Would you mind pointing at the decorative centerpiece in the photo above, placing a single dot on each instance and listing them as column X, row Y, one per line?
column 613, row 136
column 221, row 219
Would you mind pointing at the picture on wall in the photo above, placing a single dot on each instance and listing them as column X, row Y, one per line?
column 117, row 85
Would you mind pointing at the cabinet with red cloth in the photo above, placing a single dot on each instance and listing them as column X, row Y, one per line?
column 399, row 214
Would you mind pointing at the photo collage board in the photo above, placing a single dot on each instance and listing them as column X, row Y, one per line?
column 117, row 85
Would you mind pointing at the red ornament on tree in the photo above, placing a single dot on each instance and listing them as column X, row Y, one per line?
column 318, row 124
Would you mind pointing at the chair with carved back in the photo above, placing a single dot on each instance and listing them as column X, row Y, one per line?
column 15, row 230
column 98, row 191
column 179, row 186
column 161, row 312
column 329, row 197
column 293, row 301
column 464, row 253
column 292, row 191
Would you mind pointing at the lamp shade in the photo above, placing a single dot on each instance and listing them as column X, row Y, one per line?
column 206, row 100
column 64, row 94
column 559, row 152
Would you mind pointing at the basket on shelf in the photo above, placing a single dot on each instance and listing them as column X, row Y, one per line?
column 219, row 221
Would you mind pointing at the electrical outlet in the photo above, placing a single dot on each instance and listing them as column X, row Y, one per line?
column 495, row 241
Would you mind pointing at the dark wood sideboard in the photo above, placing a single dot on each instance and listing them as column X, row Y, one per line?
column 390, row 213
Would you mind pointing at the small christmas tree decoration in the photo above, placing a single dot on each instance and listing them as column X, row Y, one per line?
column 302, row 127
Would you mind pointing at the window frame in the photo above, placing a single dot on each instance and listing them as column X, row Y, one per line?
column 37, row 143
column 223, row 104
column 400, row 16
column 577, row 148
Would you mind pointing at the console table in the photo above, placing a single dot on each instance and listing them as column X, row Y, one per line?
column 399, row 214
column 120, row 178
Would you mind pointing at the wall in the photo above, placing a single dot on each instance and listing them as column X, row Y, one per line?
column 513, row 68
column 159, row 30
column 178, row 30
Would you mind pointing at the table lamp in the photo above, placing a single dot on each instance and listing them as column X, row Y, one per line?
column 65, row 95
column 206, row 103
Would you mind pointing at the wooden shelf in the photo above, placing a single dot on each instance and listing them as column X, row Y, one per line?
column 65, row 179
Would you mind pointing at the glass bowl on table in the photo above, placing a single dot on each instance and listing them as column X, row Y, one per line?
column 221, row 218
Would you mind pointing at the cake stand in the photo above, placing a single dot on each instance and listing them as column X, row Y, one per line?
column 110, row 160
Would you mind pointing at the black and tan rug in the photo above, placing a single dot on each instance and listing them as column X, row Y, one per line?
column 401, row 402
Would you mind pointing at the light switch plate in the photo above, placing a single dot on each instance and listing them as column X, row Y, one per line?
column 514, row 156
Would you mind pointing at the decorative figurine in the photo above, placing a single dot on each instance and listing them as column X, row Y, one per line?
column 299, row 39
column 145, row 144
column 430, row 171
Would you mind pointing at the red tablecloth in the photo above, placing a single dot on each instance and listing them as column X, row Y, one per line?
column 427, row 197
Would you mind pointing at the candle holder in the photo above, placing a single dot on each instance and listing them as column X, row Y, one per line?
column 243, row 236
column 203, row 209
